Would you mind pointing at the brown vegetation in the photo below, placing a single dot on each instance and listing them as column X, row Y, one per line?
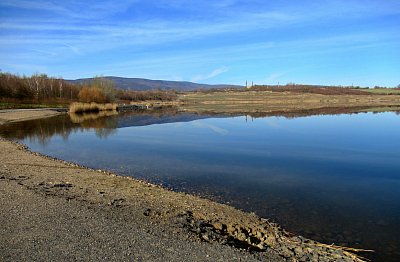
column 157, row 95
column 40, row 89
column 91, row 94
column 98, row 90
column 269, row 101
column 36, row 87
column 91, row 107
column 313, row 89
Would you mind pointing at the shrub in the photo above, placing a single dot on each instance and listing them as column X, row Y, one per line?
column 91, row 94
column 158, row 95
column 91, row 107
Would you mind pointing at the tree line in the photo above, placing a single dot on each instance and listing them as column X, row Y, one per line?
column 36, row 87
column 40, row 88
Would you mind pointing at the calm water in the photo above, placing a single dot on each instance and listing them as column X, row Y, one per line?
column 333, row 178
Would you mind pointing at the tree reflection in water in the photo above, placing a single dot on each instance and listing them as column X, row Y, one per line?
column 41, row 130
column 105, row 123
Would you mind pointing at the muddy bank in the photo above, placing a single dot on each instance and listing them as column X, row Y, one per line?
column 104, row 215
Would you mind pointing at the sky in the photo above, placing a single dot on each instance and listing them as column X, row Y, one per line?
column 338, row 42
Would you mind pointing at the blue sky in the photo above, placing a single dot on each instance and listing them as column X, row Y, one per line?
column 228, row 41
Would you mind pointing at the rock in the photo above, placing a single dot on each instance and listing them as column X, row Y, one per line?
column 147, row 212
column 63, row 185
column 224, row 241
column 307, row 257
column 200, row 223
column 254, row 240
column 218, row 226
column 205, row 237
column 242, row 237
column 231, row 229
column 285, row 252
column 298, row 250
column 118, row 203
column 270, row 239
column 243, row 230
column 261, row 246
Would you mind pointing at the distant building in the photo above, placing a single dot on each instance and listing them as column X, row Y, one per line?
column 248, row 84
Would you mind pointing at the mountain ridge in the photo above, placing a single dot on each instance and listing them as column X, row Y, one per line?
column 143, row 84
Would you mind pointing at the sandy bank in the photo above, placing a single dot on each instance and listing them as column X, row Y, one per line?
column 54, row 210
column 12, row 115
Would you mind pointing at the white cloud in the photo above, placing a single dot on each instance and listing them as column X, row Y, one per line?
column 44, row 52
column 74, row 49
column 73, row 9
column 213, row 74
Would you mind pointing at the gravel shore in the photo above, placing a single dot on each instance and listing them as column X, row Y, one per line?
column 54, row 210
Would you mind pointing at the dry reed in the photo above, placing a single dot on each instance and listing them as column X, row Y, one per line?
column 91, row 107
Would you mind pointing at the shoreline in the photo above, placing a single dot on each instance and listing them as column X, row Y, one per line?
column 268, row 101
column 194, row 220
column 17, row 115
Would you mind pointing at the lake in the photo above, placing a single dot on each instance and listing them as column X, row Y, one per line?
column 332, row 178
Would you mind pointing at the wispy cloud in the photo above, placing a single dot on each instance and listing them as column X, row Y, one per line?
column 97, row 36
column 133, row 37
column 44, row 52
column 72, row 9
column 212, row 74
column 73, row 49
column 33, row 5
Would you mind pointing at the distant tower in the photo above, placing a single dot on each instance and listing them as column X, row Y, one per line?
column 248, row 84
column 252, row 84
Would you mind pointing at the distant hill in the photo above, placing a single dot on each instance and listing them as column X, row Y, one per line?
column 147, row 84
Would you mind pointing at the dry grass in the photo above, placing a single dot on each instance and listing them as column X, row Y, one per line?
column 91, row 107
column 384, row 91
column 267, row 101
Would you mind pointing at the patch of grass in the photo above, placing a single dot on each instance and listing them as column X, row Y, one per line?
column 91, row 107
column 383, row 91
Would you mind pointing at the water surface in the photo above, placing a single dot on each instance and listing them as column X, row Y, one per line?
column 333, row 178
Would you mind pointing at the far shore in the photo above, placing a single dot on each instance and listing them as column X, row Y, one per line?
column 283, row 102
column 58, row 210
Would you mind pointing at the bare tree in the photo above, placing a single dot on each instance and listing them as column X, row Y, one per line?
column 60, row 85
